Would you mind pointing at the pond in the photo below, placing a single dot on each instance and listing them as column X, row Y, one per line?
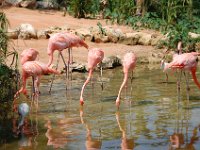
column 153, row 115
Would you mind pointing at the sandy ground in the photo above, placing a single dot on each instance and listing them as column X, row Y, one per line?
column 45, row 19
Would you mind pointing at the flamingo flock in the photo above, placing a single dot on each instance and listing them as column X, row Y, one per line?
column 65, row 40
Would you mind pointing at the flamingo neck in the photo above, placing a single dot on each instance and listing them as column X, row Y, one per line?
column 50, row 59
column 195, row 78
column 179, row 47
column 86, row 82
column 123, row 84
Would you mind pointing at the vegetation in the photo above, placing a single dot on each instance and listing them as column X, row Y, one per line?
column 8, row 74
column 175, row 17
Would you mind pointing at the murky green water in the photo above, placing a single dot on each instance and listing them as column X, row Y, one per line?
column 150, row 113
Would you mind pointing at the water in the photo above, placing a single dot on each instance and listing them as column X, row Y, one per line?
column 153, row 115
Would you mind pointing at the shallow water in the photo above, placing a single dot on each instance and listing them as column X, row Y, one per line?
column 151, row 112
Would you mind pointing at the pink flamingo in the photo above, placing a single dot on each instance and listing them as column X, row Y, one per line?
column 61, row 41
column 33, row 68
column 163, row 63
column 185, row 62
column 129, row 63
column 95, row 56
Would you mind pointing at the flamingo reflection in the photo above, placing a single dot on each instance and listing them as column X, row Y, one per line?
column 126, row 144
column 56, row 138
column 91, row 143
column 180, row 139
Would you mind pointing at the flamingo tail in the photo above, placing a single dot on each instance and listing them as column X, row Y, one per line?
column 195, row 78
column 84, row 44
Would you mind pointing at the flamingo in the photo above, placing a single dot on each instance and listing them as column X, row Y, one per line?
column 164, row 64
column 33, row 68
column 95, row 56
column 126, row 144
column 91, row 142
column 129, row 63
column 61, row 41
column 185, row 62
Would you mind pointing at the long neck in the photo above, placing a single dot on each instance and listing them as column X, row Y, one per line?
column 123, row 84
column 179, row 47
column 195, row 78
column 86, row 82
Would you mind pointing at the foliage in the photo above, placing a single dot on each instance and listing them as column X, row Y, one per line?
column 119, row 10
column 3, row 36
column 8, row 76
column 8, row 83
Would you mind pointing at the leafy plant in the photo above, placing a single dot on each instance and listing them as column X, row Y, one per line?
column 8, row 76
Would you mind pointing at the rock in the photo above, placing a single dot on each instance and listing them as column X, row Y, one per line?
column 13, row 34
column 155, row 40
column 85, row 34
column 45, row 5
column 27, row 31
column 28, row 3
column 194, row 35
column 145, row 38
column 113, row 34
column 111, row 62
column 129, row 39
column 43, row 34
column 13, row 2
column 78, row 67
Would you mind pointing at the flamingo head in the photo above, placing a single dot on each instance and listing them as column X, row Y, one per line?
column 117, row 102
column 81, row 102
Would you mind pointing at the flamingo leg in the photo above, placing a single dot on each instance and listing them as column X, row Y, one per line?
column 187, row 80
column 70, row 61
column 54, row 74
column 101, row 74
column 66, row 67
column 166, row 74
column 179, row 79
column 131, row 76
column 33, row 85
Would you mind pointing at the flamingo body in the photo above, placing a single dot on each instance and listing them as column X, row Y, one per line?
column 33, row 68
column 95, row 56
column 63, row 40
column 128, row 63
column 186, row 62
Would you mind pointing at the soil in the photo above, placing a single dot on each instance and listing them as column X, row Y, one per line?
column 50, row 18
